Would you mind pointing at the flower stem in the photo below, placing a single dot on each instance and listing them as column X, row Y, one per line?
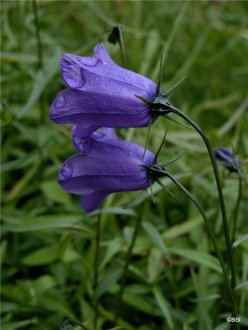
column 209, row 229
column 96, row 270
column 128, row 260
column 236, row 210
column 221, row 199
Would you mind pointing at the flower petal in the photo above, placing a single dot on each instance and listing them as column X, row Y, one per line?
column 82, row 174
column 92, row 201
column 85, row 73
column 86, row 109
column 106, row 141
column 102, row 54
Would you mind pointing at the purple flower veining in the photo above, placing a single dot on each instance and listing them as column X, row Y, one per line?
column 105, row 165
column 101, row 94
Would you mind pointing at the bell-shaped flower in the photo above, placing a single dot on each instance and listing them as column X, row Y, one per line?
column 106, row 165
column 103, row 94
column 227, row 159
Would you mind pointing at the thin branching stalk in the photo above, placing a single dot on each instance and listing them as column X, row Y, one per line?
column 96, row 267
column 236, row 210
column 221, row 199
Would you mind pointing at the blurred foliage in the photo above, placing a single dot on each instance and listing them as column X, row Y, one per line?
column 48, row 242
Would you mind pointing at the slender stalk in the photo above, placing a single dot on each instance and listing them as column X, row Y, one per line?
column 221, row 199
column 236, row 210
column 39, row 54
column 209, row 229
column 218, row 182
column 128, row 260
column 96, row 269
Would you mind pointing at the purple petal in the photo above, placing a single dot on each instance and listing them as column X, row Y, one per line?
column 102, row 54
column 92, row 201
column 224, row 154
column 90, row 110
column 85, row 73
column 82, row 174
column 85, row 144
column 107, row 142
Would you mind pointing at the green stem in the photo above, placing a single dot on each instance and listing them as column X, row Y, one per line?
column 128, row 259
column 39, row 55
column 96, row 269
column 221, row 199
column 209, row 229
column 236, row 210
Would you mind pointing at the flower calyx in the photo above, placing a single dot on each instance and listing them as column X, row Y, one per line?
column 159, row 105
column 155, row 171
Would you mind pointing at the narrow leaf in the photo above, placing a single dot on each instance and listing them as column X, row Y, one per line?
column 155, row 236
column 240, row 240
column 163, row 305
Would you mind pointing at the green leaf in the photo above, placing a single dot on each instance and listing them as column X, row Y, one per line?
column 42, row 78
column 42, row 256
column 3, row 250
column 112, row 276
column 18, row 325
column 223, row 326
column 49, row 222
column 183, row 228
column 206, row 298
column 114, row 210
column 163, row 305
column 128, row 234
column 55, row 193
column 199, row 257
column 113, row 247
column 155, row 237
column 155, row 265
column 242, row 285
column 240, row 240
column 141, row 304
column 52, row 303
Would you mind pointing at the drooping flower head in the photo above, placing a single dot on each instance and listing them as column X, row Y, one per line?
column 227, row 159
column 103, row 94
column 106, row 165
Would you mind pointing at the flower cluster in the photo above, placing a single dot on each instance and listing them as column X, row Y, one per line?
column 102, row 95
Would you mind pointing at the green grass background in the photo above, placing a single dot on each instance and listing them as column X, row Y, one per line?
column 48, row 242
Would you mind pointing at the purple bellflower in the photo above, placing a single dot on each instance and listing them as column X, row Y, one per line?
column 102, row 94
column 227, row 159
column 105, row 165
